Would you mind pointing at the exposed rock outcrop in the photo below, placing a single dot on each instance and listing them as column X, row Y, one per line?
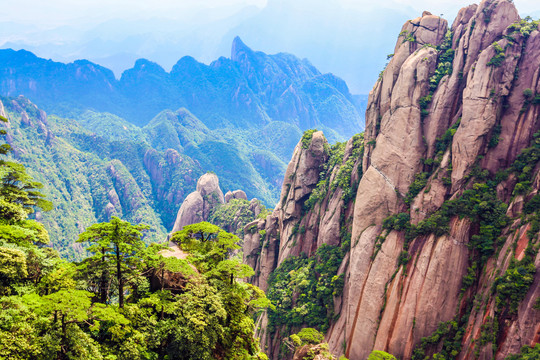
column 454, row 107
column 198, row 205
column 207, row 203
column 2, row 110
column 315, row 352
column 236, row 194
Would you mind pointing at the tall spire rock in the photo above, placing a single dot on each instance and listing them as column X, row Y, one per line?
column 239, row 50
column 198, row 205
column 431, row 238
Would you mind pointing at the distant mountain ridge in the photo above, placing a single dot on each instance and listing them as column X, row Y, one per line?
column 149, row 134
column 248, row 90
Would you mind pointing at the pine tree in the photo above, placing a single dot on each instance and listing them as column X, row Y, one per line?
column 119, row 243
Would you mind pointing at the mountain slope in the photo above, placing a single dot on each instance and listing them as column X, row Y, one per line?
column 91, row 178
column 141, row 174
column 422, row 237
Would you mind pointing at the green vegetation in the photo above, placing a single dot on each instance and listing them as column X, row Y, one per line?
column 306, row 138
column 442, row 143
column 407, row 36
column 344, row 173
column 302, row 289
column 514, row 284
column 307, row 336
column 116, row 172
column 234, row 215
column 420, row 181
column 312, row 342
column 524, row 26
column 424, row 103
column 343, row 178
column 116, row 242
column 444, row 67
column 450, row 333
column 488, row 335
column 335, row 158
column 529, row 98
column 524, row 165
column 499, row 56
column 380, row 355
column 54, row 309
column 92, row 178
column 480, row 204
column 117, row 303
column 444, row 62
column 526, row 353
column 495, row 137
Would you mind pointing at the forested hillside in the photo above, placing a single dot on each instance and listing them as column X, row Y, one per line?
column 140, row 174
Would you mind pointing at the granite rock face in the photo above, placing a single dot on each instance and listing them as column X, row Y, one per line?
column 231, row 211
column 455, row 106
column 198, row 205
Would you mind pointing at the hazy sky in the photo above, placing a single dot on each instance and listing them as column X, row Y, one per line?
column 334, row 35
column 69, row 12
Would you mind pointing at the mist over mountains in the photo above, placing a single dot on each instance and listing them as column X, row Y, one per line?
column 250, row 89
column 335, row 38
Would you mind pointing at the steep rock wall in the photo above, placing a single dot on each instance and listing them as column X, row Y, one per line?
column 454, row 107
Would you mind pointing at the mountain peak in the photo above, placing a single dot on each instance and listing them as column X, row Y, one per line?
column 149, row 66
column 238, row 49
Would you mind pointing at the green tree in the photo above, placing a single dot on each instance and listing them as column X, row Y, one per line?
column 12, row 268
column 4, row 148
column 213, row 252
column 380, row 355
column 208, row 245
column 19, row 197
column 119, row 243
column 17, row 188
column 66, row 310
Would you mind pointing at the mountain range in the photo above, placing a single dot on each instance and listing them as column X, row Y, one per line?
column 248, row 90
column 238, row 117
column 337, row 44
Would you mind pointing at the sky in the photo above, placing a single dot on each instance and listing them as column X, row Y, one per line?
column 335, row 35
column 66, row 12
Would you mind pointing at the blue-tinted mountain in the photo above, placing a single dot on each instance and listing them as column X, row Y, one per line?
column 248, row 90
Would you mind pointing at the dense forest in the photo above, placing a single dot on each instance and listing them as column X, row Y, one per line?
column 126, row 300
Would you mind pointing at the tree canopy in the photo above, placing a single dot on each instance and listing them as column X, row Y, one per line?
column 114, row 304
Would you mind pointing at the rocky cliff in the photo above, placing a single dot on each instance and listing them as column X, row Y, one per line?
column 421, row 237
column 207, row 203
